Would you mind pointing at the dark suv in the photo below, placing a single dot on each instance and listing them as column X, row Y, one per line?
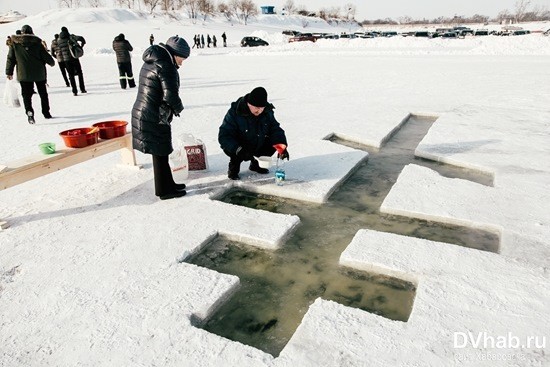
column 253, row 42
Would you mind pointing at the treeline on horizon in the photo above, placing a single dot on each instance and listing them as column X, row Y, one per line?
column 242, row 10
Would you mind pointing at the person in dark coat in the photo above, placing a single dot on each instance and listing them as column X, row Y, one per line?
column 202, row 40
column 156, row 104
column 250, row 129
column 224, row 38
column 73, row 64
column 151, row 39
column 214, row 40
column 27, row 53
column 56, row 52
column 124, row 60
column 208, row 40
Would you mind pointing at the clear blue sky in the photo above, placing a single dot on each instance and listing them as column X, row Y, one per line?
column 366, row 9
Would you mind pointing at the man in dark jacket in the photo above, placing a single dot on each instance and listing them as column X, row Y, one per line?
column 73, row 64
column 122, row 50
column 156, row 103
column 250, row 129
column 56, row 52
column 26, row 51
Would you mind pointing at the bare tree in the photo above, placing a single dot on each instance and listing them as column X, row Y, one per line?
column 167, row 5
column 334, row 12
column 226, row 11
column 323, row 13
column 504, row 15
column 191, row 8
column 247, row 9
column 521, row 8
column 125, row 3
column 96, row 3
column 289, row 7
column 69, row 3
column 234, row 8
column 350, row 11
column 151, row 4
column 206, row 7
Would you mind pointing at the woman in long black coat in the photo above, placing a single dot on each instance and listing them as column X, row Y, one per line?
column 156, row 104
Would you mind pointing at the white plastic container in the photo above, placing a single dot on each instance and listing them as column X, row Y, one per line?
column 264, row 161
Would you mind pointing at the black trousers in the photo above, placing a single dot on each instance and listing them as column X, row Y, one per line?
column 125, row 74
column 265, row 150
column 63, row 68
column 164, row 181
column 27, row 90
column 74, row 68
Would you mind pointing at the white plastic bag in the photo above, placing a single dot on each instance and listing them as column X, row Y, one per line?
column 196, row 152
column 11, row 99
column 178, row 161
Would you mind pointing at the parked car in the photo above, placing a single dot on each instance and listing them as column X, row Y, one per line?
column 347, row 35
column 288, row 32
column 302, row 37
column 465, row 31
column 422, row 34
column 451, row 34
column 481, row 32
column 253, row 42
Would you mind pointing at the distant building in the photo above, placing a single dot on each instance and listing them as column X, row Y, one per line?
column 268, row 9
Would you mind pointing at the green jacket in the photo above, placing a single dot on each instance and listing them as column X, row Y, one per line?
column 27, row 52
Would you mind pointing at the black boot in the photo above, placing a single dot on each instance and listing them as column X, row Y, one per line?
column 172, row 195
column 254, row 166
column 234, row 169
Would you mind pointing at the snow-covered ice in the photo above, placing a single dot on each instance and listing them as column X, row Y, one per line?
column 91, row 269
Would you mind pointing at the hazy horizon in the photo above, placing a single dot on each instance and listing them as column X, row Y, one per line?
column 366, row 9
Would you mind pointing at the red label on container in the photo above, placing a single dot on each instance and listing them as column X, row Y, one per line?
column 196, row 156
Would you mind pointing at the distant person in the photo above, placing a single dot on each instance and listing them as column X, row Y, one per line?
column 72, row 63
column 208, row 40
column 250, row 129
column 156, row 104
column 122, row 49
column 151, row 39
column 194, row 41
column 56, row 52
column 224, row 38
column 214, row 40
column 202, row 40
column 27, row 53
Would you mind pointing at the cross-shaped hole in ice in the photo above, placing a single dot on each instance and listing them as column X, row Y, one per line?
column 277, row 287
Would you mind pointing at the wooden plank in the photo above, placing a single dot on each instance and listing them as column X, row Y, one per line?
column 36, row 166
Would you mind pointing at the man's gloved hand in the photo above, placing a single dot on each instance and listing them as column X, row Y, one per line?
column 243, row 154
column 283, row 155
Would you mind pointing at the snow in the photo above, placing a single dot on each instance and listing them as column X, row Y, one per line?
column 92, row 267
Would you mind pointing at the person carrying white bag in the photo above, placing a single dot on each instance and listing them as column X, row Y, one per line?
column 10, row 94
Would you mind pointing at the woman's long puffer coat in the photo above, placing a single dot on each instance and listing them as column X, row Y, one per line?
column 156, row 103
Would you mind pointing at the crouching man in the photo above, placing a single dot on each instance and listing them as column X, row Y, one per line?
column 250, row 129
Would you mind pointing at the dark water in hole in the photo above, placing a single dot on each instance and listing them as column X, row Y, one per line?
column 277, row 287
